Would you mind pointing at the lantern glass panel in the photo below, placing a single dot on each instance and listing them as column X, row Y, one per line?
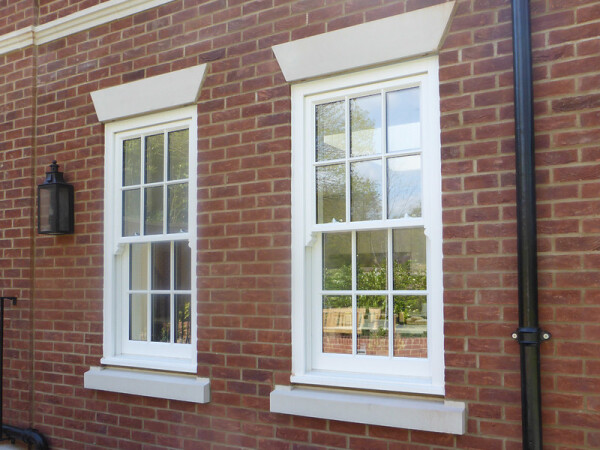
column 45, row 199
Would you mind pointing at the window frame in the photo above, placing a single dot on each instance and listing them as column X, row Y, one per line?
column 116, row 350
column 428, row 378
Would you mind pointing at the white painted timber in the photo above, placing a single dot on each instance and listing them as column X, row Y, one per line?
column 370, row 408
column 408, row 35
column 148, row 384
column 86, row 19
column 149, row 95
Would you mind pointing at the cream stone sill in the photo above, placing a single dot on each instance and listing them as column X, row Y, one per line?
column 371, row 408
column 186, row 388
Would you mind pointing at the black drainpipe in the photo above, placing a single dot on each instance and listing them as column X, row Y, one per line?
column 33, row 438
column 529, row 335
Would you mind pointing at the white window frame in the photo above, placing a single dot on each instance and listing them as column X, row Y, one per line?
column 118, row 351
column 408, row 375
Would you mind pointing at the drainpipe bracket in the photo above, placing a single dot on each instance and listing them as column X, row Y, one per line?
column 530, row 336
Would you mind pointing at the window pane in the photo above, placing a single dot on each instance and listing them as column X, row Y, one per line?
column 138, row 267
column 372, row 328
column 365, row 192
column 154, row 158
column 371, row 260
column 410, row 326
column 161, row 318
column 153, row 209
column 132, row 153
column 404, row 187
column 331, row 194
column 138, row 317
column 131, row 212
column 178, row 208
column 337, row 324
column 161, row 265
column 331, row 131
column 410, row 269
column 403, row 120
column 183, row 321
column 337, row 261
column 178, row 154
column 183, row 260
column 365, row 125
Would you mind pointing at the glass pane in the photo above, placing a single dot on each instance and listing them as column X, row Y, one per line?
column 153, row 210
column 331, row 131
column 410, row 326
column 178, row 208
column 132, row 153
column 331, row 194
column 372, row 328
column 403, row 120
column 64, row 220
column 365, row 125
column 337, row 261
column 46, row 210
column 131, row 212
column 161, row 318
column 155, row 154
column 183, row 261
column 404, row 187
column 410, row 269
column 138, row 267
column 138, row 317
column 178, row 154
column 183, row 323
column 337, row 324
column 371, row 260
column 365, row 195
column 161, row 265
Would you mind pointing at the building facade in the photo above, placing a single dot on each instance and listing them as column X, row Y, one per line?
column 295, row 223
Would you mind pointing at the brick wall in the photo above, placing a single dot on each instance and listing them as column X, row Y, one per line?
column 16, row 220
column 244, row 224
column 479, row 215
column 50, row 10
column 15, row 15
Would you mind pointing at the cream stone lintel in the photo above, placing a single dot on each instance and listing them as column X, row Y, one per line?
column 158, row 93
column 412, row 34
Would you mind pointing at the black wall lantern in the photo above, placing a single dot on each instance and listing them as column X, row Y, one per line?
column 55, row 204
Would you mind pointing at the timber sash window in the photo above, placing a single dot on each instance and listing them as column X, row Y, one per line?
column 368, row 230
column 152, row 170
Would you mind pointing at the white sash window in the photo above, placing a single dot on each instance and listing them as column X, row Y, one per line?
column 367, row 271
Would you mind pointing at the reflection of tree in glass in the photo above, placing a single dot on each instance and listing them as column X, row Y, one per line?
column 365, row 125
column 409, row 276
column 337, row 249
column 178, row 210
column 366, row 190
column 178, row 154
column 371, row 257
column 404, row 187
column 132, row 149
column 331, row 194
column 330, row 131
column 183, row 325
column 154, row 158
